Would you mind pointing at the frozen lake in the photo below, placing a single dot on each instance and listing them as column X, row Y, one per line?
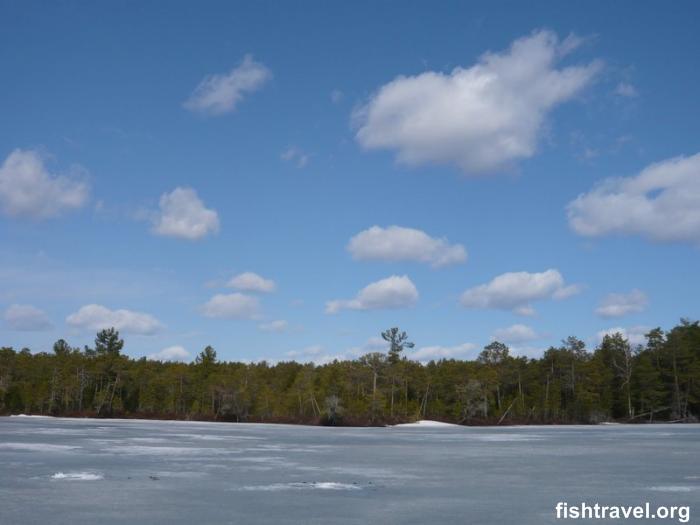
column 77, row 471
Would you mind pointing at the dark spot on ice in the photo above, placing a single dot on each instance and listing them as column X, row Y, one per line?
column 154, row 478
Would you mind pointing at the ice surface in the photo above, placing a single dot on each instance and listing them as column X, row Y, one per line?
column 83, row 471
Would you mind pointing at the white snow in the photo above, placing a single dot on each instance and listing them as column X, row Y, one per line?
column 78, row 476
column 423, row 423
column 674, row 488
column 163, row 451
column 38, row 447
column 313, row 485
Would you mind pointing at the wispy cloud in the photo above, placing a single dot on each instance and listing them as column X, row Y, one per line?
column 26, row 318
column 621, row 304
column 296, row 156
column 221, row 94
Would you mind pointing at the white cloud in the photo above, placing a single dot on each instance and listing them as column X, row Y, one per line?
column 533, row 352
column 318, row 354
column 277, row 326
column 483, row 118
column 396, row 243
column 517, row 333
column 516, row 290
column 625, row 89
column 232, row 306
column 620, row 304
column 183, row 215
column 251, row 282
column 26, row 318
column 171, row 353
column 220, row 94
column 634, row 334
column 373, row 344
column 662, row 203
column 309, row 351
column 429, row 353
column 392, row 292
column 296, row 156
column 27, row 189
column 98, row 317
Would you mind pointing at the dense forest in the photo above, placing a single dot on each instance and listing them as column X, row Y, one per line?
column 657, row 381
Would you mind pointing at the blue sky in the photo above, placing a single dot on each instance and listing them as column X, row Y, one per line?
column 283, row 180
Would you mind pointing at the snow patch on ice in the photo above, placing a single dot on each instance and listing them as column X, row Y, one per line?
column 505, row 437
column 674, row 488
column 78, row 476
column 62, row 431
column 426, row 423
column 313, row 485
column 210, row 437
column 38, row 447
column 149, row 440
column 139, row 450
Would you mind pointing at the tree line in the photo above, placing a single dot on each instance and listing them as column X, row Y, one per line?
column 616, row 381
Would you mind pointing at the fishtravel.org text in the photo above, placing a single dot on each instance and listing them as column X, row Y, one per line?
column 647, row 511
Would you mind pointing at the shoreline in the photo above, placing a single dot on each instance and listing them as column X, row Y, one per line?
column 424, row 423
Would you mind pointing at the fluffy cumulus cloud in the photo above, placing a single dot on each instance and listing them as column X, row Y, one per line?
column 517, row 333
column 620, row 304
column 251, row 282
column 392, row 292
column 396, row 243
column 171, row 353
column 517, row 290
column 220, row 94
column 482, row 118
column 279, row 326
column 434, row 353
column 183, row 215
column 634, row 334
column 232, row 306
column 662, row 203
column 26, row 318
column 98, row 317
column 27, row 189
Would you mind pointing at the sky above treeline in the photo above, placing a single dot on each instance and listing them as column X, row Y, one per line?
column 286, row 180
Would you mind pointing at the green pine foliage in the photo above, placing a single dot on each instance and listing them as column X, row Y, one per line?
column 658, row 381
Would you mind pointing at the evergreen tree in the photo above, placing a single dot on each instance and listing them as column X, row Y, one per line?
column 107, row 342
